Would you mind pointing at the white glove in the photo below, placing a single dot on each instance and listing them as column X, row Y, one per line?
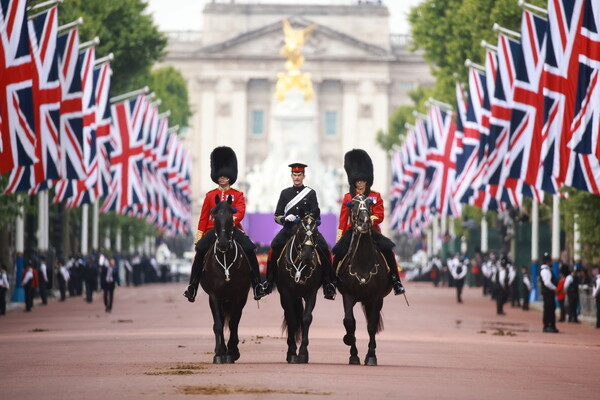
column 290, row 218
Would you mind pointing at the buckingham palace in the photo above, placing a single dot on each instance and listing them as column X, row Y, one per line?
column 360, row 74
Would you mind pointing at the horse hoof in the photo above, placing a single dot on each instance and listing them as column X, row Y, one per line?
column 354, row 360
column 303, row 359
column 348, row 340
column 218, row 360
column 292, row 359
column 229, row 359
column 371, row 361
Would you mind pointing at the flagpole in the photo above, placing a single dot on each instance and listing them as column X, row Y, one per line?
column 95, row 224
column 104, row 59
column 84, row 229
column 488, row 46
column 484, row 234
column 166, row 114
column 94, row 42
column 500, row 29
column 522, row 4
column 555, row 233
column 18, row 294
column 576, row 244
column 471, row 64
column 44, row 4
column 440, row 104
column 70, row 25
column 417, row 114
column 535, row 238
column 173, row 129
column 116, row 99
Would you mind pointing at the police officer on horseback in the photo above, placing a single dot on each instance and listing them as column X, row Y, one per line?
column 223, row 171
column 359, row 168
column 294, row 202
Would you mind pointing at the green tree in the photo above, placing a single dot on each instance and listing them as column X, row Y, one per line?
column 171, row 88
column 126, row 29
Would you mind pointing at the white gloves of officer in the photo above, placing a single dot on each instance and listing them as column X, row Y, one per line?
column 290, row 218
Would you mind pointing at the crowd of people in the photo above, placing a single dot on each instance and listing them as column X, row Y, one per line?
column 82, row 276
column 507, row 284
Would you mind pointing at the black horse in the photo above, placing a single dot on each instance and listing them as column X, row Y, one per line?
column 299, row 276
column 363, row 277
column 226, row 279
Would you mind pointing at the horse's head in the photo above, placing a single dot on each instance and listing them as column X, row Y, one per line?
column 306, row 236
column 360, row 212
column 223, row 215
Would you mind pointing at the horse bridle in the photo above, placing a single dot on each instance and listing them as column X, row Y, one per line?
column 295, row 262
column 362, row 207
column 226, row 266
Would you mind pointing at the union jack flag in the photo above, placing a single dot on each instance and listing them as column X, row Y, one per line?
column 71, row 107
column 441, row 156
column 102, row 77
column 527, row 100
column 46, row 97
column 127, row 156
column 17, row 132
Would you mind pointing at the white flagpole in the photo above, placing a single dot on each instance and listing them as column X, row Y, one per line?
column 555, row 233
column 95, row 225
column 84, row 229
column 107, row 238
column 532, row 7
column 509, row 32
column 104, row 59
column 576, row 244
column 116, row 99
column 70, row 25
column 471, row 64
column 44, row 4
column 484, row 234
column 535, row 239
column 94, row 42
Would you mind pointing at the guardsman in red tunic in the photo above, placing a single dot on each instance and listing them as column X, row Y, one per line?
column 223, row 171
column 359, row 168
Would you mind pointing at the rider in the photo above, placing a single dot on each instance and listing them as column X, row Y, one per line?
column 293, row 203
column 223, row 171
column 359, row 168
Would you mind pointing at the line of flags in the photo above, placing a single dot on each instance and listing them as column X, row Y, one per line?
column 59, row 130
column 527, row 124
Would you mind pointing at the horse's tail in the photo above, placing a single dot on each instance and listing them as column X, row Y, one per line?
column 297, row 312
column 380, row 318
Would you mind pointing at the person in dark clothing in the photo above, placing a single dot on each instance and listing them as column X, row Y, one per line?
column 571, row 288
column 44, row 281
column 4, row 286
column 28, row 283
column 548, row 284
column 295, row 202
column 109, row 278
column 596, row 295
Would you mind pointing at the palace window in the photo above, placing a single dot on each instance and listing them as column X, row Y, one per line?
column 257, row 122
column 331, row 123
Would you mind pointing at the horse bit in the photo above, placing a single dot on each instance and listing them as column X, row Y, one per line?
column 223, row 265
column 308, row 242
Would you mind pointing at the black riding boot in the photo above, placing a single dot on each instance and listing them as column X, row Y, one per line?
column 328, row 276
column 192, row 289
column 394, row 273
column 257, row 287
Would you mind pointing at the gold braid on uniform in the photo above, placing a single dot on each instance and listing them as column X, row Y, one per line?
column 339, row 235
column 198, row 236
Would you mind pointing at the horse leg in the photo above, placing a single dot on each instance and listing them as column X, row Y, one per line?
column 292, row 323
column 350, row 325
column 373, row 311
column 309, row 305
column 233, row 352
column 220, row 348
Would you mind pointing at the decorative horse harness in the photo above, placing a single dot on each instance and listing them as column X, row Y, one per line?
column 354, row 242
column 294, row 263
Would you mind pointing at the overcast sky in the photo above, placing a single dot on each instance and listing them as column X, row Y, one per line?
column 174, row 15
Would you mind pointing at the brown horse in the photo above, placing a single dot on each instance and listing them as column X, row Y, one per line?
column 226, row 279
column 299, row 276
column 363, row 277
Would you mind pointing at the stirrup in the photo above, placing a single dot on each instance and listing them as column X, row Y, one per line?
column 259, row 292
column 190, row 293
column 398, row 288
column 329, row 291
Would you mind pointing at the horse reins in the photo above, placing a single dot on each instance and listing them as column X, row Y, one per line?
column 223, row 265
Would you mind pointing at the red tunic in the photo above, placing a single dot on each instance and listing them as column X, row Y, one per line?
column 377, row 211
column 206, row 221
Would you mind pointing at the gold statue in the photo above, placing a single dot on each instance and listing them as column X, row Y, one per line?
column 294, row 40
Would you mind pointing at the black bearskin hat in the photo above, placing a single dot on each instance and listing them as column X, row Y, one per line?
column 223, row 162
column 359, row 167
